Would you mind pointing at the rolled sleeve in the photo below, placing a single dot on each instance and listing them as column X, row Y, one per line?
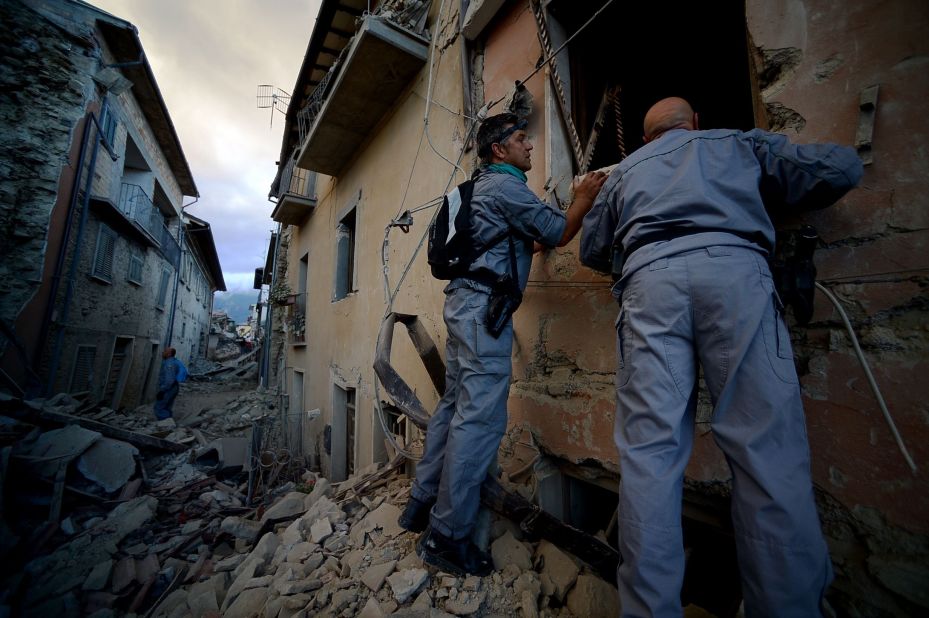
column 806, row 176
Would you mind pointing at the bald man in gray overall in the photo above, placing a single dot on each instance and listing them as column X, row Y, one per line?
column 465, row 430
column 687, row 210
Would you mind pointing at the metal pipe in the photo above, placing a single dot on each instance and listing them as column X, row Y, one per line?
column 72, row 271
column 63, row 248
column 177, row 271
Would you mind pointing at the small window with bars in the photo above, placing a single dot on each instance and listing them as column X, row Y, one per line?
column 163, row 288
column 136, row 263
column 103, row 256
column 82, row 374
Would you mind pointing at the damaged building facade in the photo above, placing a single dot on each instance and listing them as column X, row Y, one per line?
column 102, row 268
column 383, row 113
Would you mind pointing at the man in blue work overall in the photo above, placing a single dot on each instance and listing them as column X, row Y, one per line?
column 687, row 212
column 465, row 431
column 170, row 376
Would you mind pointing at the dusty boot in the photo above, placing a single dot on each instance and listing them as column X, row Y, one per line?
column 458, row 557
column 415, row 516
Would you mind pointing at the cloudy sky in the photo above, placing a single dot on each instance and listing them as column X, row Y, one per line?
column 208, row 57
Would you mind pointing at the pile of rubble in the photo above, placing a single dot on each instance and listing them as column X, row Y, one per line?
column 191, row 531
column 318, row 553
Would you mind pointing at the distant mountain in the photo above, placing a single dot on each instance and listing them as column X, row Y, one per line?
column 235, row 304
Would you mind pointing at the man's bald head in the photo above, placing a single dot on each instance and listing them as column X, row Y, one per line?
column 667, row 114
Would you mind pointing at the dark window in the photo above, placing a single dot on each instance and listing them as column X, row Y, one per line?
column 345, row 256
column 136, row 264
column 701, row 54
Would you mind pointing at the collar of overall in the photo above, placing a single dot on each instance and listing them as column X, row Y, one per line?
column 506, row 168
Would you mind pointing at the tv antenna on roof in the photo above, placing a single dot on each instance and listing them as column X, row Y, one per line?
column 273, row 98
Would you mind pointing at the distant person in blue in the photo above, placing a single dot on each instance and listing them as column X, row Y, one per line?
column 172, row 373
column 687, row 213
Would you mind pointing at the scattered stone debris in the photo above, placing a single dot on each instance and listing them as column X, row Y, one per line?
column 195, row 533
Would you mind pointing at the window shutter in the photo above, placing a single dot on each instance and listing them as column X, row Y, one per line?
column 82, row 377
column 103, row 258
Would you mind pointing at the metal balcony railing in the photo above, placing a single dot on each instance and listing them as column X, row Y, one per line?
column 298, row 181
column 138, row 207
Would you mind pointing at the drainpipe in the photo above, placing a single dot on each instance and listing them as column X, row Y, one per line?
column 268, row 318
column 72, row 271
column 177, row 273
column 63, row 248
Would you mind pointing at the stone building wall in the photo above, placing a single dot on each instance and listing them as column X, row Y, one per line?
column 46, row 90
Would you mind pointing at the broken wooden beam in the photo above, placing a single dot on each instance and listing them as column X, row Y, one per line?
column 530, row 517
column 136, row 439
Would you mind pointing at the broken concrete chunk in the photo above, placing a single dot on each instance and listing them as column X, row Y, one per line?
column 528, row 582
column 320, row 530
column 202, row 603
column 230, row 563
column 266, row 547
column 301, row 551
column 108, row 463
column 241, row 528
column 293, row 534
column 371, row 609
column 507, row 550
column 374, row 577
column 288, row 507
column 559, row 567
column 528, row 605
column 248, row 604
column 404, row 584
column 341, row 600
column 466, row 603
column 591, row 596
column 384, row 518
column 57, row 446
column 99, row 576
column 123, row 574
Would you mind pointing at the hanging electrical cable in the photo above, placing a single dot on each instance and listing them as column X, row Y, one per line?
column 867, row 371
column 456, row 167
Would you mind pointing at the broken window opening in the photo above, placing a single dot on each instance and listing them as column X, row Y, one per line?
column 701, row 55
column 345, row 256
column 343, row 433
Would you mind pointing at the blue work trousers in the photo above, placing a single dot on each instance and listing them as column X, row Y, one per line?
column 465, row 430
column 164, row 406
column 716, row 307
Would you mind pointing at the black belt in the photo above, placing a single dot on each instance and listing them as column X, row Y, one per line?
column 621, row 254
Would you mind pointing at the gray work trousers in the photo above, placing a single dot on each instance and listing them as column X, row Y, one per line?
column 717, row 307
column 465, row 430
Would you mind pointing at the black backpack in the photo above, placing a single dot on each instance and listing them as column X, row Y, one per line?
column 451, row 247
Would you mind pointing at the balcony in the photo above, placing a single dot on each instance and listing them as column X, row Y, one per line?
column 297, row 197
column 357, row 92
column 138, row 207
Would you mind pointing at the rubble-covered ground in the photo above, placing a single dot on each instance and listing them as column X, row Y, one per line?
column 219, row 519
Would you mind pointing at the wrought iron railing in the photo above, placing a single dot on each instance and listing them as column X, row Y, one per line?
column 138, row 207
column 298, row 181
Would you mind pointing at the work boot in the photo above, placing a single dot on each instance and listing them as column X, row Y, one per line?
column 415, row 516
column 458, row 557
